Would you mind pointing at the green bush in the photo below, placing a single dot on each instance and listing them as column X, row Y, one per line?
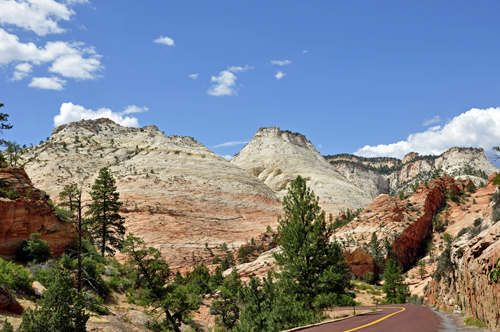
column 476, row 322
column 33, row 249
column 15, row 277
column 368, row 277
column 7, row 191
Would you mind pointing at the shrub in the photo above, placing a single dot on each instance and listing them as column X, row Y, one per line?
column 416, row 300
column 444, row 265
column 33, row 249
column 368, row 277
column 447, row 237
column 463, row 231
column 471, row 188
column 15, row 277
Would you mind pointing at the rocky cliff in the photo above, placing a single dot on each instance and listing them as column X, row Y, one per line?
column 177, row 194
column 463, row 286
column 276, row 157
column 381, row 176
column 29, row 213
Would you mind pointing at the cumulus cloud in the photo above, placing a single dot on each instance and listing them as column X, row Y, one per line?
column 70, row 112
column 71, row 60
column 430, row 121
column 279, row 75
column 232, row 143
column 21, row 71
column 47, row 83
column 281, row 62
column 476, row 128
column 226, row 81
column 165, row 41
column 193, row 76
column 38, row 16
column 134, row 109
column 304, row 51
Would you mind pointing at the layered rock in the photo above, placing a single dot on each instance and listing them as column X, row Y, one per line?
column 30, row 213
column 277, row 157
column 406, row 223
column 368, row 180
column 177, row 194
column 465, row 288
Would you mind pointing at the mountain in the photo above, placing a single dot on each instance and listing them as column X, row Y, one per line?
column 391, row 175
column 277, row 156
column 177, row 194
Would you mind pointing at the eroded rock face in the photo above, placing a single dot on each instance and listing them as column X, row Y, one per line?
column 370, row 181
column 177, row 194
column 406, row 223
column 276, row 157
column 30, row 213
column 9, row 303
column 466, row 289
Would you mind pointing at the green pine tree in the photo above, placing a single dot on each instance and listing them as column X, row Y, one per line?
column 312, row 267
column 105, row 224
column 395, row 289
column 7, row 327
column 60, row 309
column 227, row 306
column 153, row 276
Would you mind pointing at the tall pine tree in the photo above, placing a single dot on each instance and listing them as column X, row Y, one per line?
column 395, row 289
column 105, row 224
column 313, row 267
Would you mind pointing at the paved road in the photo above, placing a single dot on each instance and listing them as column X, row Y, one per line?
column 391, row 318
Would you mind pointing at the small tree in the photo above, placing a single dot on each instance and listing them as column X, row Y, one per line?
column 227, row 306
column 7, row 327
column 33, row 249
column 311, row 264
column 61, row 308
column 421, row 268
column 153, row 276
column 105, row 224
column 395, row 289
column 376, row 250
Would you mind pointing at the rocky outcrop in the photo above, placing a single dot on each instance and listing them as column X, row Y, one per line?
column 177, row 194
column 409, row 157
column 370, row 181
column 407, row 223
column 9, row 303
column 30, row 213
column 277, row 157
column 360, row 263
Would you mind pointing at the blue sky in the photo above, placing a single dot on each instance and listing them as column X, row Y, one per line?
column 371, row 77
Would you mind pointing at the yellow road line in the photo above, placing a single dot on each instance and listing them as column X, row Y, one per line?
column 379, row 320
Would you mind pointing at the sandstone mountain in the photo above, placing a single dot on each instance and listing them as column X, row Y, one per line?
column 177, row 194
column 390, row 175
column 276, row 157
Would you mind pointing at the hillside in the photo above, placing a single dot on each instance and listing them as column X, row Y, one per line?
column 177, row 194
column 276, row 157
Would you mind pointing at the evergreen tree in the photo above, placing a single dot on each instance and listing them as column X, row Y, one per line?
column 395, row 289
column 60, row 309
column 105, row 224
column 376, row 250
column 311, row 265
column 227, row 307
column 7, row 327
column 421, row 268
column 153, row 277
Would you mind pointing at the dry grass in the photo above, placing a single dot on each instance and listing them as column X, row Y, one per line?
column 335, row 314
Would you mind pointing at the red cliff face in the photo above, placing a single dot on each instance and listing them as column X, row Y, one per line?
column 31, row 213
column 407, row 223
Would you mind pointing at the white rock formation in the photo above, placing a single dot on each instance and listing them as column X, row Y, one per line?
column 277, row 157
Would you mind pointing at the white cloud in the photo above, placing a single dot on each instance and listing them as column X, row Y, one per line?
column 304, row 51
column 165, row 41
column 193, row 76
column 433, row 120
column 134, row 109
column 475, row 128
column 233, row 143
column 22, row 70
column 227, row 156
column 47, row 83
column 319, row 146
column 225, row 82
column 281, row 62
column 70, row 112
column 39, row 16
column 68, row 59
column 279, row 75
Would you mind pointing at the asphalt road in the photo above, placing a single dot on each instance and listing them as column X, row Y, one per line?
column 389, row 318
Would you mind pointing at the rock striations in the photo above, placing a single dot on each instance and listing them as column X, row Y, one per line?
column 277, row 157
column 389, row 175
column 177, row 194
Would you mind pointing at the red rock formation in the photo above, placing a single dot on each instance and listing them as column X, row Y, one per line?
column 361, row 263
column 408, row 223
column 31, row 213
column 9, row 303
column 409, row 157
